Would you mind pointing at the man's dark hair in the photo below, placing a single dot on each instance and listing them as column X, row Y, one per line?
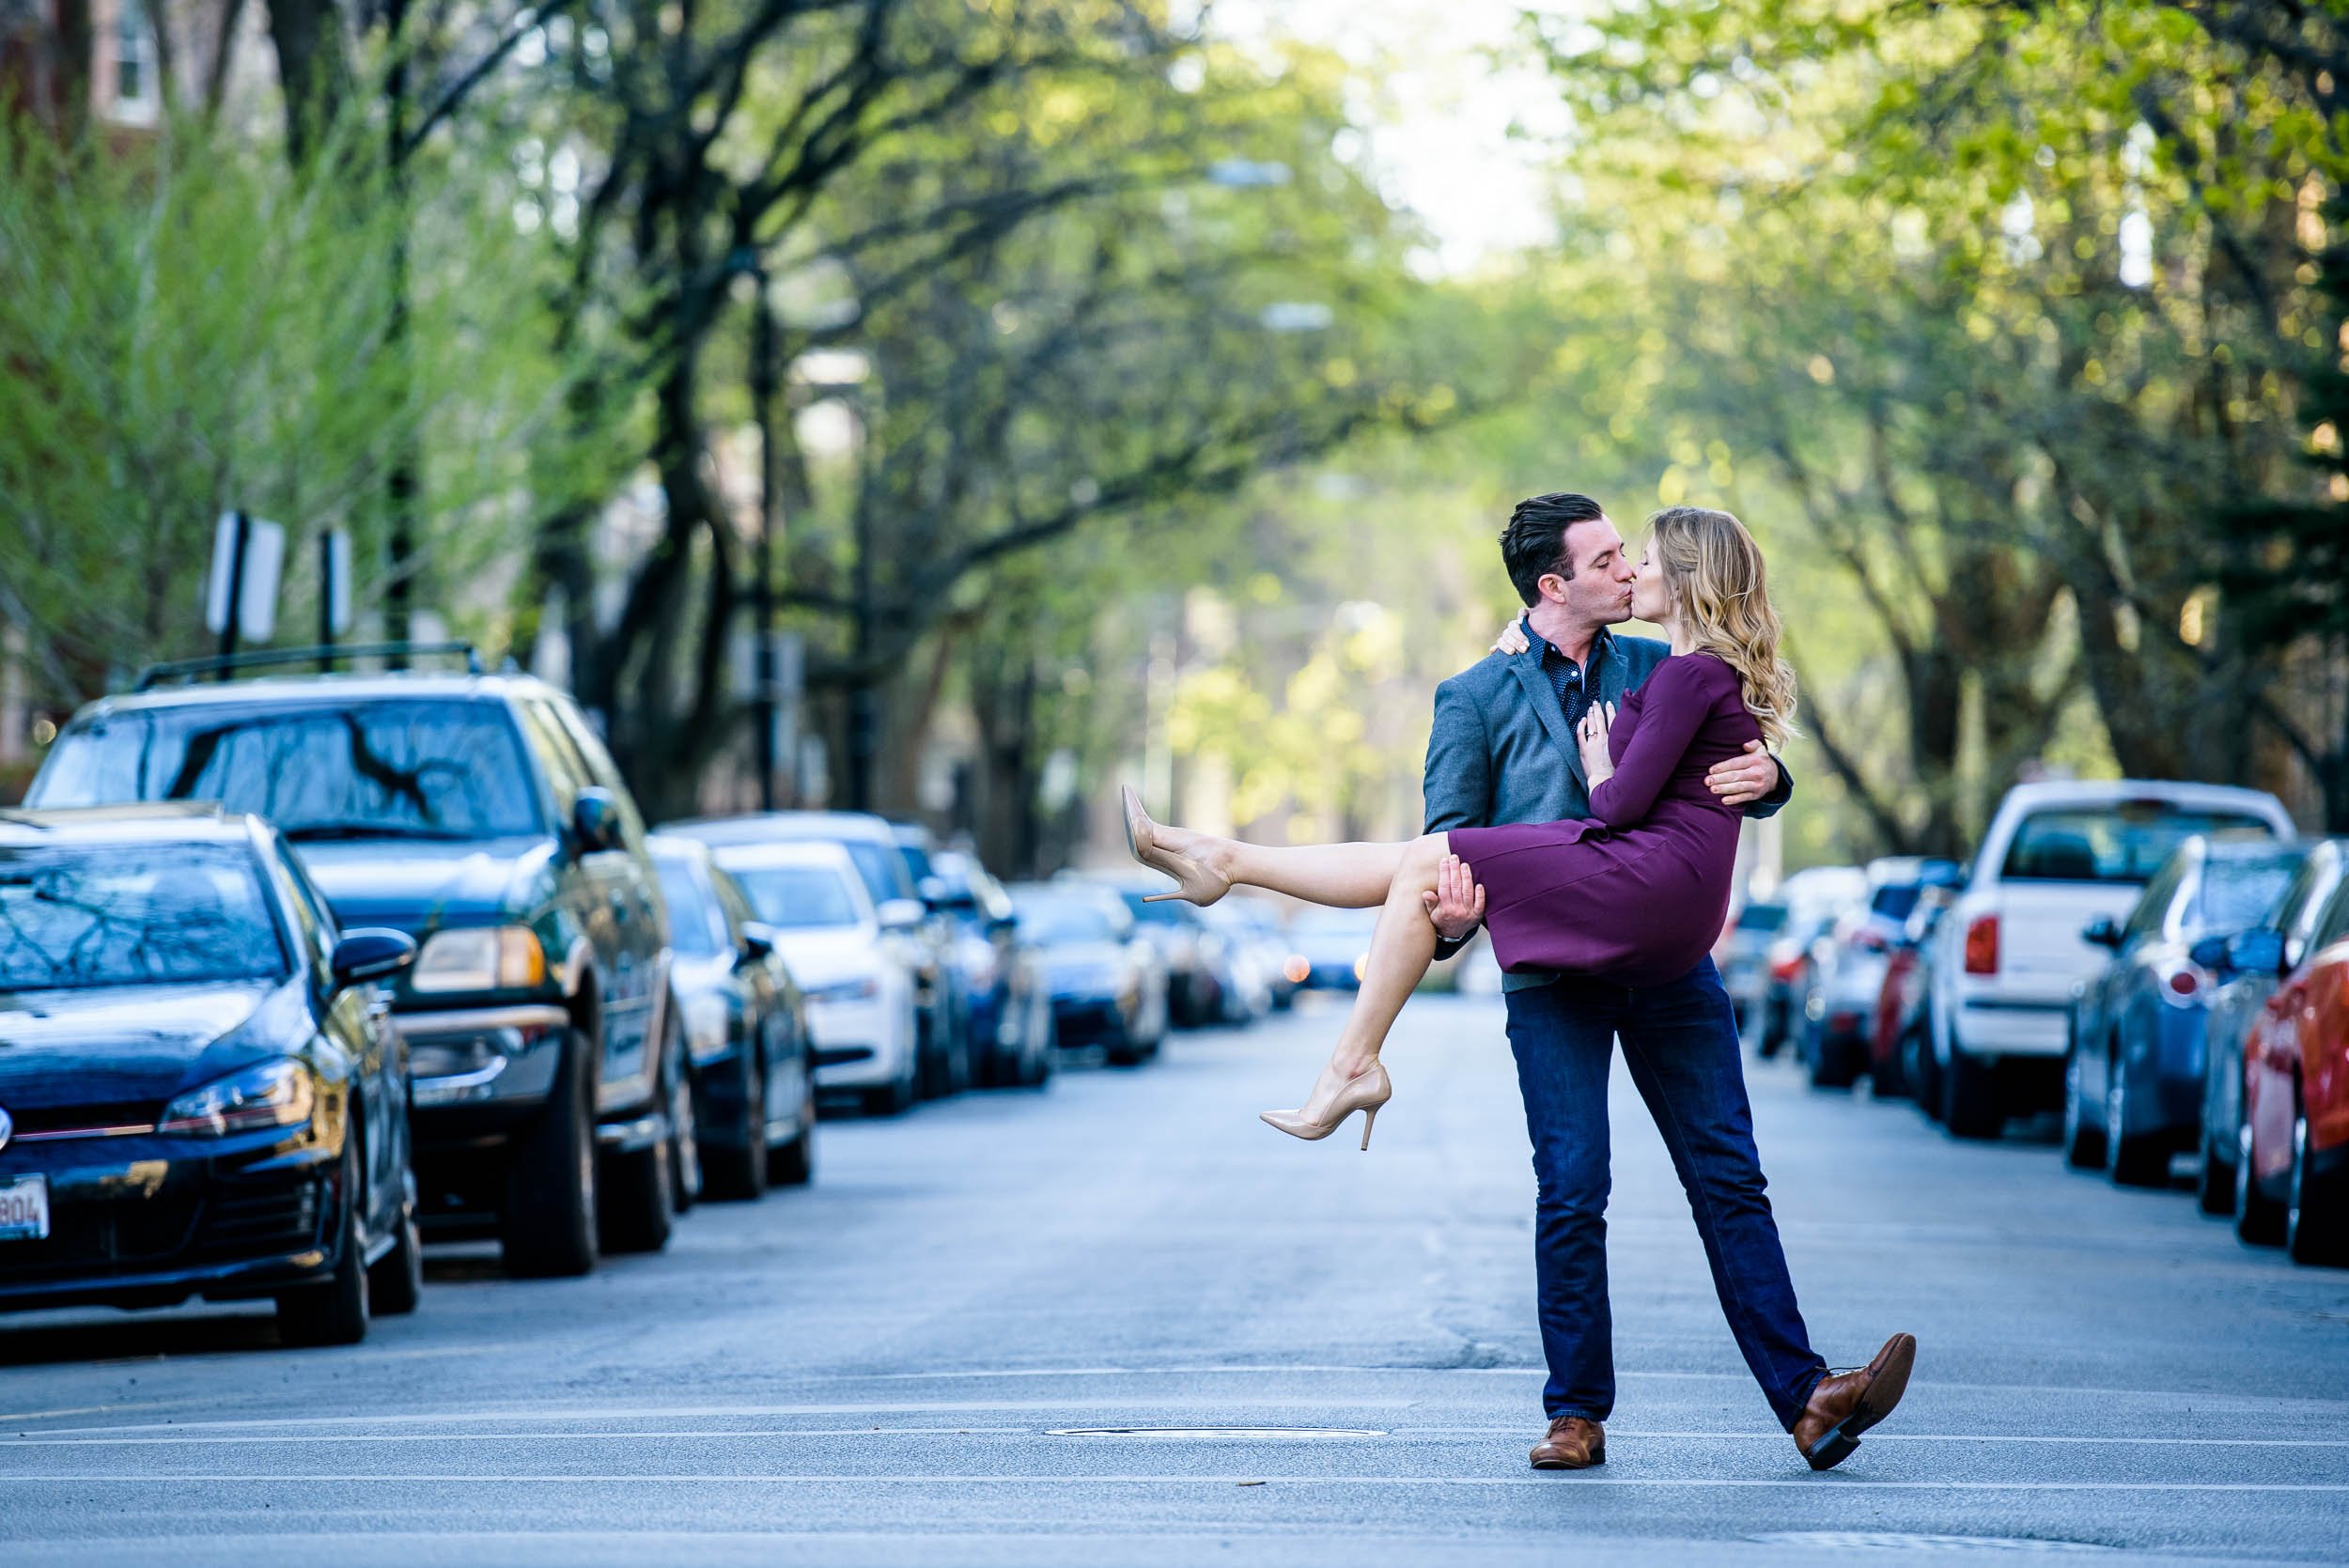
column 1534, row 543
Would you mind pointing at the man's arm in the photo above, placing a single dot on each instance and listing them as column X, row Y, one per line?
column 1757, row 782
column 1457, row 782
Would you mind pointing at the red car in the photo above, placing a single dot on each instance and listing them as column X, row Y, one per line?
column 2291, row 1181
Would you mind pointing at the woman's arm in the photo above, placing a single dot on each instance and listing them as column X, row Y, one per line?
column 1672, row 706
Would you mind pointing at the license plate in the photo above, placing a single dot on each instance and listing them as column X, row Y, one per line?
column 25, row 1209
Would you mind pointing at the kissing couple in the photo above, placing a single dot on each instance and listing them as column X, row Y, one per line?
column 1584, row 791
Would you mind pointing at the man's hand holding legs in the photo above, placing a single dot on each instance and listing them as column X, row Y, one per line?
column 1458, row 903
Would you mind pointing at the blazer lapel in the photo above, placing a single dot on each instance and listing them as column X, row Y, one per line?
column 1543, row 698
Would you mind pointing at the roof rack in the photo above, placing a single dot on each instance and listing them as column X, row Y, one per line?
column 324, row 657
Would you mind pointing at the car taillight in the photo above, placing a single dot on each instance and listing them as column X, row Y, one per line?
column 1786, row 967
column 1981, row 945
column 2182, row 984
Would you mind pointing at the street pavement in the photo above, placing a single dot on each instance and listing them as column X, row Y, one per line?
column 897, row 1365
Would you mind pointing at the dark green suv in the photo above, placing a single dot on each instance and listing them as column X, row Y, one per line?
column 480, row 814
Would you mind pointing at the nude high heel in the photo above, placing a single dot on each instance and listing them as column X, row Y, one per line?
column 1365, row 1093
column 1195, row 883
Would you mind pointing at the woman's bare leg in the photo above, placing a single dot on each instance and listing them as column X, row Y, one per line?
column 1341, row 876
column 1401, row 948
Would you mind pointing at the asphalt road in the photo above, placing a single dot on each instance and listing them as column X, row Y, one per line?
column 887, row 1368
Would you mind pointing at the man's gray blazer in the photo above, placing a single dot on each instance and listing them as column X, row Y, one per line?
column 1499, row 751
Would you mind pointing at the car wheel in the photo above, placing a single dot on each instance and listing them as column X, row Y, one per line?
column 2132, row 1160
column 396, row 1283
column 334, row 1312
column 1969, row 1106
column 2083, row 1134
column 2313, row 1231
column 548, row 1219
column 2259, row 1219
column 739, row 1170
column 1833, row 1061
column 642, row 1186
column 794, row 1163
column 2214, row 1189
column 1918, row 1070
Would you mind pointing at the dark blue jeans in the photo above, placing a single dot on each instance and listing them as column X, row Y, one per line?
column 1680, row 1042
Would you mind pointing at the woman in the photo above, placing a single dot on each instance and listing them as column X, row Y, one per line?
column 1635, row 893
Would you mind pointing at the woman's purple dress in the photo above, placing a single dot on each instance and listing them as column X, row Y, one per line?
column 1637, row 892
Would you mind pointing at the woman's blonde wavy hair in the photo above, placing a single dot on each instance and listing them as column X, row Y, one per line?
column 1715, row 573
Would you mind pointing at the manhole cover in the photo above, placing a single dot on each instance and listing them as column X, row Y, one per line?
column 1888, row 1541
column 1212, row 1431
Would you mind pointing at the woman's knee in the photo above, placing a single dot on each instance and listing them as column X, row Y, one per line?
column 1424, row 857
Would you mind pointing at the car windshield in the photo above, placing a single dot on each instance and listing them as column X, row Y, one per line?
column 2237, row 894
column 395, row 768
column 1895, row 900
column 1058, row 921
column 2122, row 843
column 797, row 897
column 134, row 915
column 917, row 861
column 880, row 867
column 1761, row 917
column 696, row 928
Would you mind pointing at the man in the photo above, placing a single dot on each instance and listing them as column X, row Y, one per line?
column 1503, row 750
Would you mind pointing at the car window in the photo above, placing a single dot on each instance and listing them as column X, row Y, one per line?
column 396, row 768
column 317, row 922
column 798, row 897
column 600, row 769
column 736, row 909
column 567, row 773
column 2332, row 922
column 2123, row 842
column 134, row 915
column 2237, row 893
column 696, row 928
column 1895, row 900
column 881, row 867
column 917, row 863
column 1762, row 917
column 2151, row 913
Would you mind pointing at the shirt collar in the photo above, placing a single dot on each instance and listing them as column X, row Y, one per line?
column 1600, row 646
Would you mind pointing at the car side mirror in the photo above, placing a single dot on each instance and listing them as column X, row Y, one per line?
column 595, row 820
column 369, row 954
column 2211, row 953
column 935, row 893
column 901, row 914
column 2102, row 932
column 758, row 942
column 2256, row 952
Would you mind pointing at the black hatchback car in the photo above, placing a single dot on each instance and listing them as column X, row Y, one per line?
column 199, row 1095
column 480, row 814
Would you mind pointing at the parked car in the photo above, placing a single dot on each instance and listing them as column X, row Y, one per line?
column 1849, row 964
column 1743, row 957
column 1250, row 923
column 925, row 941
column 1815, row 897
column 746, row 1033
column 1900, row 1051
column 199, row 1093
column 2133, row 1075
column 1245, row 973
column 1009, row 1018
column 2292, row 1182
column 859, row 990
column 1329, row 947
column 1193, row 951
column 1108, row 985
column 2247, row 965
column 2008, row 957
column 480, row 814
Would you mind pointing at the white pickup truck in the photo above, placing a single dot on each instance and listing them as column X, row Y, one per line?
column 2009, row 955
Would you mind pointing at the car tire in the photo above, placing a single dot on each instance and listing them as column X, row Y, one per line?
column 2214, row 1189
column 1834, row 1061
column 738, row 1172
column 2083, row 1134
column 547, row 1220
column 396, row 1283
column 2259, row 1219
column 1919, row 1070
column 793, row 1164
column 2141, row 1160
column 644, row 1190
column 335, row 1310
column 2313, row 1229
column 1969, row 1103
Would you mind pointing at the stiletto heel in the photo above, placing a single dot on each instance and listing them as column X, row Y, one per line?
column 1195, row 883
column 1365, row 1091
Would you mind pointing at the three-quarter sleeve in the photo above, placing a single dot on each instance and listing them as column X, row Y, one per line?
column 1672, row 706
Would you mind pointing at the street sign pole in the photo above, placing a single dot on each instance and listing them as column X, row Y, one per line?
column 326, row 588
column 240, row 543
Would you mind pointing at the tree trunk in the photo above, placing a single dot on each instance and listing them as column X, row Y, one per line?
column 313, row 70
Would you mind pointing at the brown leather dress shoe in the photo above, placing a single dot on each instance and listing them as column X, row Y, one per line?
column 1846, row 1404
column 1574, row 1443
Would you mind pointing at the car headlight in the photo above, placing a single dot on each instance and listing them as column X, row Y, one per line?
column 480, row 959
column 858, row 989
column 279, row 1094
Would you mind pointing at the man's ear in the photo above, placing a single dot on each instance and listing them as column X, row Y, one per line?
column 1553, row 588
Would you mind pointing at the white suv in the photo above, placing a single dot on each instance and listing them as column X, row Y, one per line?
column 2008, row 957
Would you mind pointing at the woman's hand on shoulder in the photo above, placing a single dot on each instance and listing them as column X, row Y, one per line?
column 1512, row 640
column 1590, row 736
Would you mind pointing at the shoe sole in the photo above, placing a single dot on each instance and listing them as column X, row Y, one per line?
column 1599, row 1456
column 1883, row 1392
